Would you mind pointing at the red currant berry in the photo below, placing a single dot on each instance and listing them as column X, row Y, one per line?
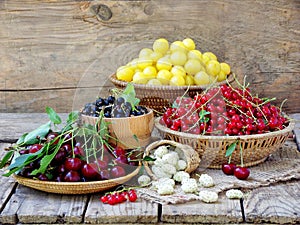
column 104, row 199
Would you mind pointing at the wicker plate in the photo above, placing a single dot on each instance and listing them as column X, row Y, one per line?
column 160, row 97
column 212, row 149
column 75, row 187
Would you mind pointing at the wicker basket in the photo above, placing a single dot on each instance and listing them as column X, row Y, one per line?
column 127, row 132
column 190, row 155
column 160, row 97
column 211, row 149
column 75, row 187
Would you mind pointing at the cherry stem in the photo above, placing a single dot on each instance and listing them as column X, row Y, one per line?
column 229, row 159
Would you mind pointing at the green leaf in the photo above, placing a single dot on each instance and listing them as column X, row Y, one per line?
column 230, row 149
column 21, row 139
column 11, row 172
column 175, row 105
column 202, row 116
column 6, row 158
column 148, row 158
column 39, row 133
column 21, row 160
column 72, row 117
column 53, row 116
column 129, row 95
column 46, row 160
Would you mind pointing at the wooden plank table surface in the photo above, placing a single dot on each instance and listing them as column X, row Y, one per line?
column 275, row 204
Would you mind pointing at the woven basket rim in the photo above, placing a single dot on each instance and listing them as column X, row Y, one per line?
column 160, row 127
column 150, row 111
column 115, row 81
column 81, row 187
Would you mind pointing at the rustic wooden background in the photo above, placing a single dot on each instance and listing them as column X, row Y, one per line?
column 59, row 53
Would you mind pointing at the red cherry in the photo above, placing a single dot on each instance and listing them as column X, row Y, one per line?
column 122, row 159
column 51, row 136
column 119, row 151
column 43, row 177
column 117, row 171
column 60, row 156
column 78, row 151
column 34, row 148
column 228, row 169
column 67, row 148
column 105, row 175
column 241, row 173
column 73, row 164
column 24, row 151
column 90, row 171
column 102, row 164
column 72, row 176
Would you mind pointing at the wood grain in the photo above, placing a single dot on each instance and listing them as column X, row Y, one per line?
column 140, row 211
column 296, row 117
column 7, row 184
column 12, row 125
column 224, row 211
column 51, row 48
column 270, row 205
column 32, row 206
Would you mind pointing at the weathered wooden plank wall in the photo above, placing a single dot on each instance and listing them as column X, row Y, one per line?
column 59, row 53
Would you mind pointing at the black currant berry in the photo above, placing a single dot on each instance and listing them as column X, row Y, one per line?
column 111, row 99
column 120, row 101
column 99, row 102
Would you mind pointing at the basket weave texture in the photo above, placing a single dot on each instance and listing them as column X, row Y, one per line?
column 190, row 155
column 212, row 149
column 75, row 187
column 160, row 97
column 127, row 132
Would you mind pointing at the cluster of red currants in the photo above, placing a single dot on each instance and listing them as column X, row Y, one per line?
column 71, row 163
column 239, row 172
column 117, row 197
column 224, row 110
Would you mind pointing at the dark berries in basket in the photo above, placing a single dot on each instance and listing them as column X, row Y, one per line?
column 120, row 101
column 113, row 108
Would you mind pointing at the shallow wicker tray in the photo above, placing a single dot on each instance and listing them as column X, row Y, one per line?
column 160, row 97
column 75, row 187
column 191, row 156
column 212, row 149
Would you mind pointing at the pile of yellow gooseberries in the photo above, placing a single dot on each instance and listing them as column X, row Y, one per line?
column 176, row 64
